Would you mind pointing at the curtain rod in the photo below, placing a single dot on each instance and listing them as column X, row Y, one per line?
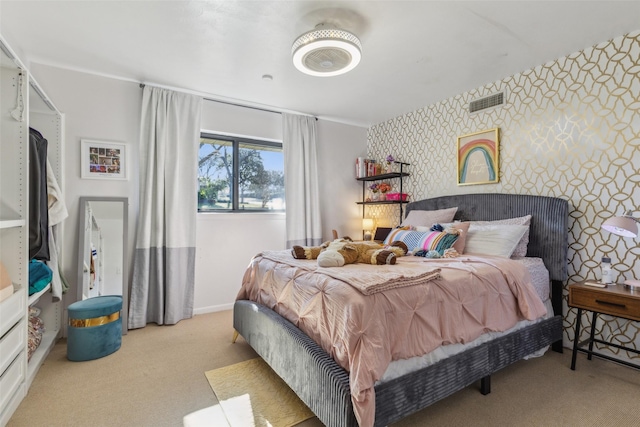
column 142, row 85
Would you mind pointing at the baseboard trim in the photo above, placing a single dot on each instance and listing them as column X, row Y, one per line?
column 212, row 309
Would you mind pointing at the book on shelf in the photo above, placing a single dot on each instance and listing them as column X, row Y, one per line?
column 367, row 167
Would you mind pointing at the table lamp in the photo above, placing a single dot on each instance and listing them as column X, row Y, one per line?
column 367, row 226
column 624, row 225
column 627, row 226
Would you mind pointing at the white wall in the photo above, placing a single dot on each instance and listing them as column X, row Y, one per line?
column 95, row 108
column 102, row 108
column 227, row 242
column 338, row 147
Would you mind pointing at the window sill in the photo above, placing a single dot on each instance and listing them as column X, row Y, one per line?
column 237, row 215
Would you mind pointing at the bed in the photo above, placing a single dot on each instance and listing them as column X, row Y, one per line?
column 324, row 385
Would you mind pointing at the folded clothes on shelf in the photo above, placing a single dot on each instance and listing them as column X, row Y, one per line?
column 39, row 276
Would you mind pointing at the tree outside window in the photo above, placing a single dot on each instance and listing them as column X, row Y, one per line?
column 239, row 174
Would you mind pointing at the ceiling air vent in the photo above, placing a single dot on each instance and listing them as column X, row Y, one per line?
column 490, row 101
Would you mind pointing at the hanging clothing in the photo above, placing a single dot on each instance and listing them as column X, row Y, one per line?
column 92, row 268
column 164, row 261
column 38, row 203
column 57, row 213
column 55, row 200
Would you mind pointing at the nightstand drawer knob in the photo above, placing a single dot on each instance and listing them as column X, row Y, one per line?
column 610, row 303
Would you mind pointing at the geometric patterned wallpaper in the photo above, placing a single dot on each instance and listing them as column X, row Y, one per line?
column 569, row 129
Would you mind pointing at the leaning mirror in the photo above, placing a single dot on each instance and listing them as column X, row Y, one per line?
column 102, row 241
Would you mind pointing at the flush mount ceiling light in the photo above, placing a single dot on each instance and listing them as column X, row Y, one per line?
column 326, row 52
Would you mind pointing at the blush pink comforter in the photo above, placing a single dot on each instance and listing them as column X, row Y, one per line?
column 364, row 333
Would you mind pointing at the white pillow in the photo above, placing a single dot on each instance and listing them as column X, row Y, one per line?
column 498, row 240
column 521, row 248
column 428, row 218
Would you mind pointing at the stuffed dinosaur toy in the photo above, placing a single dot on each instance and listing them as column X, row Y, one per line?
column 343, row 251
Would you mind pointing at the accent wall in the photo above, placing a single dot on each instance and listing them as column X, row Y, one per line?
column 569, row 128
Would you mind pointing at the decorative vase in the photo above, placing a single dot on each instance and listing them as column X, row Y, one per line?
column 383, row 197
column 376, row 196
column 389, row 168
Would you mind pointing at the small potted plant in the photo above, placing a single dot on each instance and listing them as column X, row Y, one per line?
column 374, row 189
column 389, row 161
column 383, row 187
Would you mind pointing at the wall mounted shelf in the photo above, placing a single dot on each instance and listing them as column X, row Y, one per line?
column 381, row 177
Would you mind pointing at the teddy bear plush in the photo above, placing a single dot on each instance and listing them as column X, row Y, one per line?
column 343, row 251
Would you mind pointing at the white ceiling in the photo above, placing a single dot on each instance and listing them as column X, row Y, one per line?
column 415, row 53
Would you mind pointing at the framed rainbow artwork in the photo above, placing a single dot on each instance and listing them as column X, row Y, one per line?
column 478, row 155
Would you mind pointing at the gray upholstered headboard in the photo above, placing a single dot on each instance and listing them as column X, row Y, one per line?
column 548, row 235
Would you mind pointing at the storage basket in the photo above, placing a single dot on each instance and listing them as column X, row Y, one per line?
column 396, row 196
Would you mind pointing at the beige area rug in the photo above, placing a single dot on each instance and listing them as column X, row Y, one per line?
column 252, row 395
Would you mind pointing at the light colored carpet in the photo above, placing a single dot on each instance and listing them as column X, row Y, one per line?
column 251, row 394
column 156, row 380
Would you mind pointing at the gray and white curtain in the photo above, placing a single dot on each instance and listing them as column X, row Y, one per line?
column 301, row 181
column 164, row 259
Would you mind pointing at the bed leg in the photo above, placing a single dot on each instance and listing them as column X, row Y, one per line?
column 485, row 385
column 235, row 336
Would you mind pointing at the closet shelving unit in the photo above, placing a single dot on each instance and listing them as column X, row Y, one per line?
column 382, row 177
column 23, row 104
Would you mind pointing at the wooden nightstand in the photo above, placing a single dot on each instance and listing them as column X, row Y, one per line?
column 614, row 300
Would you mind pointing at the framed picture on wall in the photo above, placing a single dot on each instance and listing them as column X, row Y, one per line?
column 103, row 160
column 478, row 157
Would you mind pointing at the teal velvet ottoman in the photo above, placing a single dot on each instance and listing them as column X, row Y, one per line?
column 95, row 328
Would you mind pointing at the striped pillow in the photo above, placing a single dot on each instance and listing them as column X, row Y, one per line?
column 422, row 240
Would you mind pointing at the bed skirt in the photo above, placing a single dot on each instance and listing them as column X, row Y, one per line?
column 324, row 386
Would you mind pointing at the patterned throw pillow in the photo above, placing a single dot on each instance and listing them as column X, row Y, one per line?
column 462, row 238
column 423, row 240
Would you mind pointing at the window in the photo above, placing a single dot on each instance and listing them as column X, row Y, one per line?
column 240, row 174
